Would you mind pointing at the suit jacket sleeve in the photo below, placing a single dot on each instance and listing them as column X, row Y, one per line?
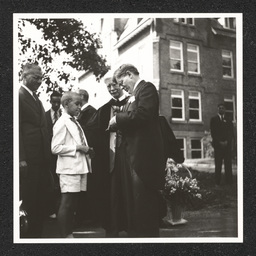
column 59, row 146
column 21, row 143
column 142, row 110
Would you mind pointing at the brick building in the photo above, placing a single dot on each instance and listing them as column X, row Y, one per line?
column 191, row 61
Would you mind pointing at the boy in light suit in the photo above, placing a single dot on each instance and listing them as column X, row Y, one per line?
column 73, row 164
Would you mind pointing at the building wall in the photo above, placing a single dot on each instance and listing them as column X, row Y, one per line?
column 210, row 82
column 149, row 51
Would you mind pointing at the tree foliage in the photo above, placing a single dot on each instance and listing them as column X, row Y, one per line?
column 62, row 37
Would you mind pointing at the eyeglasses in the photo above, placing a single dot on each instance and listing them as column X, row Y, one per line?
column 112, row 84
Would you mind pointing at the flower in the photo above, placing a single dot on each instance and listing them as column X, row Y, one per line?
column 131, row 99
column 179, row 189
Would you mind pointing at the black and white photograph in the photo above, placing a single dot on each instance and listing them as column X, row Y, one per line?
column 128, row 128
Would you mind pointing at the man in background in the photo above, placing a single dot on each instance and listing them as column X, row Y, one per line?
column 105, row 165
column 222, row 132
column 52, row 115
column 35, row 151
column 87, row 110
column 84, row 213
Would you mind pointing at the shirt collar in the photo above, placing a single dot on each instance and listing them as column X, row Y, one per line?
column 84, row 106
column 26, row 88
column 58, row 111
column 136, row 84
column 125, row 95
column 221, row 115
column 66, row 115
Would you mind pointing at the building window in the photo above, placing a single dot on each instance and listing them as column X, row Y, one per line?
column 189, row 21
column 177, row 104
column 230, row 23
column 227, row 64
column 176, row 56
column 193, row 59
column 196, row 148
column 194, row 106
column 183, row 20
column 230, row 107
column 182, row 145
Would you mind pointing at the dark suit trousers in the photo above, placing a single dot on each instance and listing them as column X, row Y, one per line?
column 223, row 153
column 134, row 207
column 35, row 191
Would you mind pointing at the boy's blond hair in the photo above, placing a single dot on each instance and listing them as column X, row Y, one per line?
column 68, row 97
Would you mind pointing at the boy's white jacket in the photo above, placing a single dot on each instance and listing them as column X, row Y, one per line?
column 64, row 141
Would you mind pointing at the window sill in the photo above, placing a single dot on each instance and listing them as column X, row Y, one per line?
column 177, row 72
column 178, row 121
column 195, row 122
column 184, row 24
column 195, row 74
column 229, row 78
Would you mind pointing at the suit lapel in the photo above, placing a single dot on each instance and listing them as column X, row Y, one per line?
column 72, row 128
column 30, row 100
column 135, row 92
column 139, row 86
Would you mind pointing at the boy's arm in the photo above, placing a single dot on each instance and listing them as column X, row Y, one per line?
column 58, row 141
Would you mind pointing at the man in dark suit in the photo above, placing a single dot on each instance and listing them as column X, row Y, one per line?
column 87, row 110
column 35, row 152
column 84, row 211
column 52, row 115
column 142, row 155
column 104, row 165
column 222, row 138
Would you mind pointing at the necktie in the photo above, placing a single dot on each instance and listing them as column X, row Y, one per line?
column 81, row 135
column 55, row 116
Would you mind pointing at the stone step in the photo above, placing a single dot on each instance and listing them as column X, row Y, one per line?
column 89, row 233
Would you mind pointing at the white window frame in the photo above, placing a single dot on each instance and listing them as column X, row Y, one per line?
column 201, row 142
column 173, row 95
column 231, row 99
column 198, row 97
column 198, row 58
column 231, row 58
column 227, row 23
column 181, row 56
column 184, row 149
column 185, row 21
column 193, row 21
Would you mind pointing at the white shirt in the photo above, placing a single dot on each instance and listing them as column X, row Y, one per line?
column 52, row 114
column 84, row 106
column 136, row 84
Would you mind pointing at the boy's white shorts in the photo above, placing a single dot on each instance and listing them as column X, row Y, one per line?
column 73, row 182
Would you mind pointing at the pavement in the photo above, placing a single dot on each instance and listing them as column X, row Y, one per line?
column 203, row 223
column 209, row 222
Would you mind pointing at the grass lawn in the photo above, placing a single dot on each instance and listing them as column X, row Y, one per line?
column 224, row 196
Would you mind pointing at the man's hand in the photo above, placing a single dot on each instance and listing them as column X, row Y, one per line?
column 223, row 143
column 86, row 150
column 91, row 153
column 112, row 126
column 82, row 148
column 112, row 121
column 23, row 169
